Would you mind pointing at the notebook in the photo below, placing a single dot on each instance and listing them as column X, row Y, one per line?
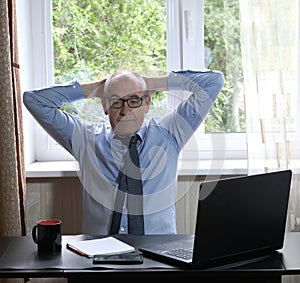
column 103, row 246
column 239, row 219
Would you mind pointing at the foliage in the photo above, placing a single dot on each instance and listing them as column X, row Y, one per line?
column 222, row 37
column 102, row 36
column 92, row 39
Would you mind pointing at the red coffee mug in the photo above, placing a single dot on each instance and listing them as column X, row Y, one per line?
column 47, row 235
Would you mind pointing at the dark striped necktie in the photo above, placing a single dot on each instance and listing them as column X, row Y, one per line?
column 130, row 182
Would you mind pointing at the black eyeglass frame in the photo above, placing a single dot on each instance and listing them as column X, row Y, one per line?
column 127, row 100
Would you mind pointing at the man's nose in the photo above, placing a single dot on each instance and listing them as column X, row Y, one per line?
column 125, row 109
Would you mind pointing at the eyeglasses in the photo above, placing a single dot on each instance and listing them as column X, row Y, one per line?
column 132, row 102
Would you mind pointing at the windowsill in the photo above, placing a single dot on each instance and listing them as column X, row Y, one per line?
column 54, row 169
column 51, row 169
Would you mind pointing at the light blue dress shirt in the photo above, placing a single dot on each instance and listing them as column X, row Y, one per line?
column 100, row 155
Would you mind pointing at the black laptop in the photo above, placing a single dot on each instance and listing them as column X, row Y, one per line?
column 239, row 220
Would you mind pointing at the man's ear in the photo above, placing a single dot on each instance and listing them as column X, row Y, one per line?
column 148, row 102
column 104, row 106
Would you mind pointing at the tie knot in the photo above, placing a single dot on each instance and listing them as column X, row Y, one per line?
column 128, row 140
column 134, row 139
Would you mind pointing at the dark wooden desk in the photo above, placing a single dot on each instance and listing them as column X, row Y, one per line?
column 291, row 253
column 19, row 259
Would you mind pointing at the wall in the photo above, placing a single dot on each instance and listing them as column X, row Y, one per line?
column 61, row 198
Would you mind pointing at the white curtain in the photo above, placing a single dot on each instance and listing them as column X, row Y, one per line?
column 269, row 38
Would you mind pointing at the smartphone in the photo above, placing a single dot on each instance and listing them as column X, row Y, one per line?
column 127, row 258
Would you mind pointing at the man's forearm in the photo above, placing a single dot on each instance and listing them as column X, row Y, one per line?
column 159, row 83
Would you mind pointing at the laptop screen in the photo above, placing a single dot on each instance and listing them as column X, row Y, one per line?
column 241, row 216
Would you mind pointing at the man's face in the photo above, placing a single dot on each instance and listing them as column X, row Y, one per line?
column 126, row 120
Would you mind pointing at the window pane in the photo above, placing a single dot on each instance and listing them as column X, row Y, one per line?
column 92, row 39
column 223, row 52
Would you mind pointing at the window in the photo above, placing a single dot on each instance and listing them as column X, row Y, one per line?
column 185, row 20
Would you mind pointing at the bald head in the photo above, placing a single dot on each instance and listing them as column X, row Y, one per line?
column 130, row 82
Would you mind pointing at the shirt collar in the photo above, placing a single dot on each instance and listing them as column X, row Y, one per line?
column 141, row 133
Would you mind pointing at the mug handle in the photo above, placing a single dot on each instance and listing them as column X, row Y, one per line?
column 34, row 232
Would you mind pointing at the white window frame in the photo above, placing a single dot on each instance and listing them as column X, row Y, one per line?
column 184, row 52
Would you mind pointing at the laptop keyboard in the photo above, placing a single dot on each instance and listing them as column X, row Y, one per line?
column 182, row 253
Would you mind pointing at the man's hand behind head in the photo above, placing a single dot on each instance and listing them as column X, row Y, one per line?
column 93, row 89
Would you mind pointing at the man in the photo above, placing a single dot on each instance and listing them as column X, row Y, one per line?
column 126, row 98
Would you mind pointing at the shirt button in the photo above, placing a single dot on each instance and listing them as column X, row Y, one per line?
column 122, row 229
